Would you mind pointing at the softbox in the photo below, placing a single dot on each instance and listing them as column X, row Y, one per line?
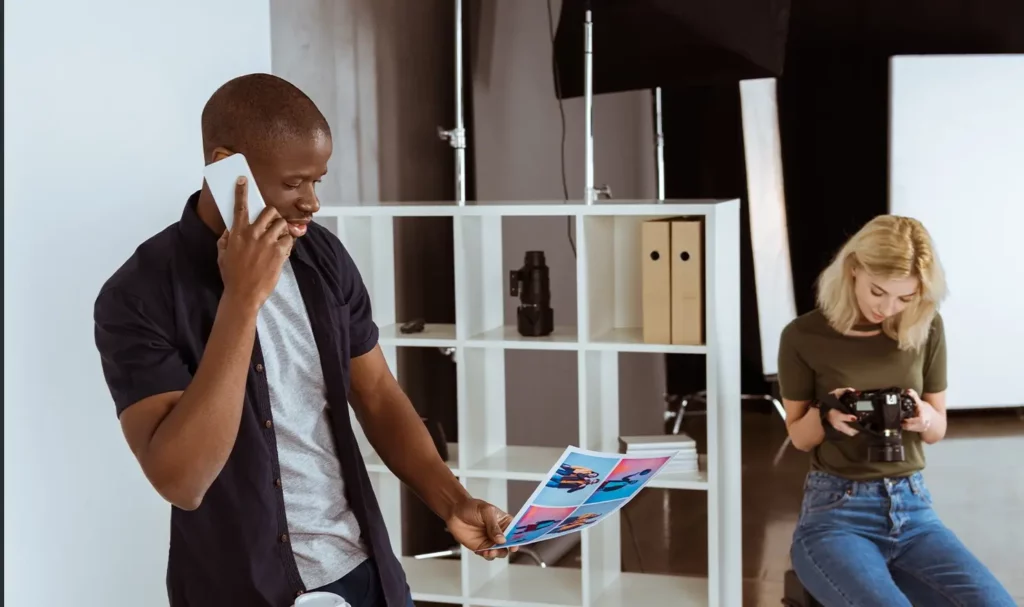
column 642, row 44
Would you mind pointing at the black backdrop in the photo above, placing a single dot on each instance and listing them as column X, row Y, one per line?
column 833, row 116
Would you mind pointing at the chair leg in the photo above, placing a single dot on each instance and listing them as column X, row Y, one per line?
column 781, row 452
column 677, row 423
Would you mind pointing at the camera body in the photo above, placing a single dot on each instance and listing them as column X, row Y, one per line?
column 881, row 414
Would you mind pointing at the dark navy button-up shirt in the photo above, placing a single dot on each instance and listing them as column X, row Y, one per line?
column 152, row 321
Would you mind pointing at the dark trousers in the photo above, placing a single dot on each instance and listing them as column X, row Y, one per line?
column 361, row 587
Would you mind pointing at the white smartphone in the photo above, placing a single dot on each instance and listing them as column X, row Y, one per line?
column 221, row 177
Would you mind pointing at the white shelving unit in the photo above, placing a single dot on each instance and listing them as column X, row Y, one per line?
column 609, row 320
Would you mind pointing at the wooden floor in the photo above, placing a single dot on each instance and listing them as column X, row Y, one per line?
column 976, row 476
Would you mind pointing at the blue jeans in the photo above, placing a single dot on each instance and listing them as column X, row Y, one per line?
column 869, row 543
column 361, row 587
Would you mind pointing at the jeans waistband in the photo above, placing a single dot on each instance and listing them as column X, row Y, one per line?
column 823, row 481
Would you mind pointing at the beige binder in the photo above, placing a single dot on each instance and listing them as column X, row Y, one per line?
column 687, row 280
column 655, row 245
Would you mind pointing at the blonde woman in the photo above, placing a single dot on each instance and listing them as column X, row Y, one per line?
column 867, row 534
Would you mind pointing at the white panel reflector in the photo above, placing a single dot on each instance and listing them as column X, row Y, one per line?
column 766, row 202
column 957, row 164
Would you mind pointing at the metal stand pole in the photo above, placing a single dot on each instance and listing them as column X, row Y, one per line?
column 457, row 136
column 590, row 194
column 659, row 143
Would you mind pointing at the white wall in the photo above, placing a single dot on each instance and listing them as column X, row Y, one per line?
column 957, row 164
column 102, row 101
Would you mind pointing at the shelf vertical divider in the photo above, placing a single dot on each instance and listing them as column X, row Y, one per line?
column 461, row 327
column 598, row 389
column 480, row 290
column 725, row 519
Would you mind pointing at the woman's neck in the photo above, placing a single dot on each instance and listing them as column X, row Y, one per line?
column 865, row 328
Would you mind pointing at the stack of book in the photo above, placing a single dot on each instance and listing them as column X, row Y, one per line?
column 684, row 462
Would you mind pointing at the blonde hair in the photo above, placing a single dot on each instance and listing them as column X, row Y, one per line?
column 888, row 246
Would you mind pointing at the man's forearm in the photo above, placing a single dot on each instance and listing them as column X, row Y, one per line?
column 192, row 443
column 401, row 440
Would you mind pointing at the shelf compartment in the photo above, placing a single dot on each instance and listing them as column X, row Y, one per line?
column 376, row 465
column 389, row 209
column 611, row 286
column 433, row 336
column 533, row 463
column 515, row 464
column 692, row 481
column 530, row 586
column 486, row 309
column 376, row 242
column 654, row 589
column 552, row 208
column 434, row 580
column 631, row 339
column 512, row 208
column 508, row 338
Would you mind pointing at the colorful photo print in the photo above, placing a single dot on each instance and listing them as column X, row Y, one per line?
column 575, row 479
column 580, row 490
column 627, row 478
column 583, row 517
column 535, row 522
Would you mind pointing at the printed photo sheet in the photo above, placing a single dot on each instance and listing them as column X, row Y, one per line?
column 581, row 489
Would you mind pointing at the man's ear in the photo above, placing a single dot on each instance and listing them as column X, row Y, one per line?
column 219, row 153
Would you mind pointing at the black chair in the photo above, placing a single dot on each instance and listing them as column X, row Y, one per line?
column 795, row 593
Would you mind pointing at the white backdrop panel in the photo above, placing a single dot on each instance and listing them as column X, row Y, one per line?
column 957, row 164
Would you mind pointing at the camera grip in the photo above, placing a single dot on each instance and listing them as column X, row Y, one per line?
column 826, row 404
column 908, row 406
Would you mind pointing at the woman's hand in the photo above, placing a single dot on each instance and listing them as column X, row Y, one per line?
column 922, row 422
column 839, row 420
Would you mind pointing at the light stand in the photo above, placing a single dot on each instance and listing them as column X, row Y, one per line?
column 457, row 136
column 590, row 195
column 659, row 143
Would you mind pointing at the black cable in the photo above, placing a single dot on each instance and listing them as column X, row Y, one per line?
column 561, row 111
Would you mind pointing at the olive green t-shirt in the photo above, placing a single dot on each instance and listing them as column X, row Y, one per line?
column 815, row 359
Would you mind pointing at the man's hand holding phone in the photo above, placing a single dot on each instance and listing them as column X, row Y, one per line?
column 251, row 255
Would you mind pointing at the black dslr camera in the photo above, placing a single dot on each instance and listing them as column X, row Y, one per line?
column 880, row 413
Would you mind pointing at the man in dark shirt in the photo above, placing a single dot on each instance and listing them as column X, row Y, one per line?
column 232, row 358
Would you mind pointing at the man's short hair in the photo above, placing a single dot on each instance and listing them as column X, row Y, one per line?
column 252, row 113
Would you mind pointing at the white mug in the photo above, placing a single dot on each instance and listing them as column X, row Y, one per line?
column 320, row 599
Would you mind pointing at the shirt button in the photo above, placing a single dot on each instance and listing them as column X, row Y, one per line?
column 269, row 424
column 277, row 482
column 284, row 538
column 259, row 367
